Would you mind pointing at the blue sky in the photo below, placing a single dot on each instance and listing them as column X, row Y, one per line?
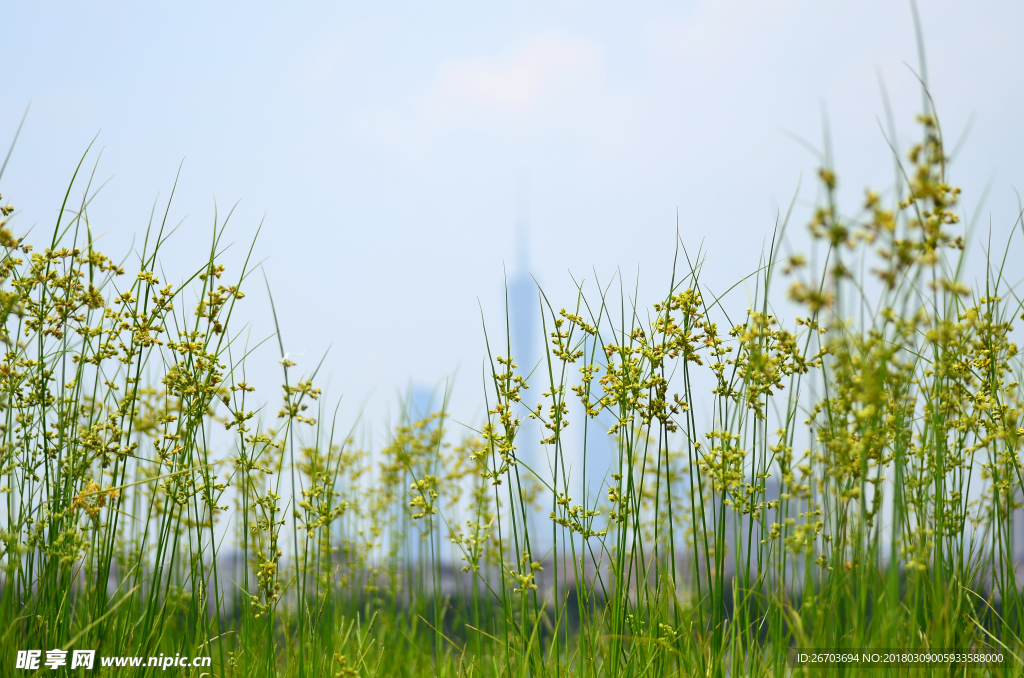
column 389, row 149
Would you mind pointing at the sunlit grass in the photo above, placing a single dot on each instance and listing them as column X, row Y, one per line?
column 846, row 479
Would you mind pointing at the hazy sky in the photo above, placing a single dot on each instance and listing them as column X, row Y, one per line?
column 390, row 148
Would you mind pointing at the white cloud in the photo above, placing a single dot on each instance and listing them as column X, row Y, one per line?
column 551, row 86
column 544, row 75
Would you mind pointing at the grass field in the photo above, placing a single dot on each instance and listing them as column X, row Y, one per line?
column 843, row 480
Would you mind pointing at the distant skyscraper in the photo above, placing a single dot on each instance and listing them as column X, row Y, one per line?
column 524, row 334
column 420, row 402
column 523, row 306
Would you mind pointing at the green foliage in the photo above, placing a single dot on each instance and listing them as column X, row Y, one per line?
column 133, row 466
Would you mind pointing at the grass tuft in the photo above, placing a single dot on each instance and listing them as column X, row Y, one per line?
column 843, row 481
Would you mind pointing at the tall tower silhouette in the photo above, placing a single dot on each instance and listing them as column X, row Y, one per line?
column 523, row 306
column 524, row 334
